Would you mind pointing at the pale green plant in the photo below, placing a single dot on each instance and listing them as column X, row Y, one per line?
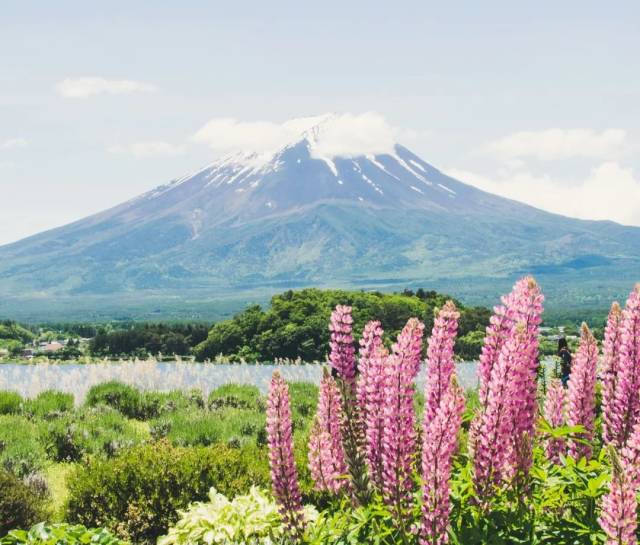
column 252, row 519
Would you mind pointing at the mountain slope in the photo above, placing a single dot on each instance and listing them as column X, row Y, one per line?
column 298, row 218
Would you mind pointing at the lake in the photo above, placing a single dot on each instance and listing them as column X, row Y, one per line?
column 31, row 379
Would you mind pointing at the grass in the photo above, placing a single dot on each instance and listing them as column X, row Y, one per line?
column 57, row 475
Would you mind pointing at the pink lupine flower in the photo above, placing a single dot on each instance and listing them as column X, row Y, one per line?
column 609, row 374
column 343, row 361
column 284, row 476
column 522, row 305
column 498, row 330
column 626, row 407
column 326, row 453
column 525, row 304
column 439, row 445
column 320, row 464
column 440, row 362
column 619, row 505
column 342, row 355
column 494, row 424
column 370, row 345
column 374, row 422
column 399, row 433
column 554, row 412
column 582, row 392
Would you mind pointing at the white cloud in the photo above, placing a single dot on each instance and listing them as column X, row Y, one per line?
column 85, row 87
column 553, row 144
column 351, row 135
column 333, row 135
column 153, row 148
column 14, row 143
column 610, row 191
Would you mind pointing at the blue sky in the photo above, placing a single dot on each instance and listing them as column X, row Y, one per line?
column 538, row 102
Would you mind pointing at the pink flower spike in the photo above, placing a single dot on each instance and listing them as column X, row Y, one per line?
column 609, row 374
column 342, row 355
column 440, row 358
column 326, row 454
column 399, row 432
column 626, row 406
column 370, row 346
column 439, row 445
column 284, row 475
column 582, row 393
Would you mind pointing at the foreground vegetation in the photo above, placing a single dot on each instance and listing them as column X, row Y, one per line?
column 364, row 458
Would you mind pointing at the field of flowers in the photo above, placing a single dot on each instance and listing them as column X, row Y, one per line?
column 368, row 457
column 526, row 468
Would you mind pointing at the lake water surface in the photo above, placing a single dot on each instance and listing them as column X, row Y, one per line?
column 29, row 380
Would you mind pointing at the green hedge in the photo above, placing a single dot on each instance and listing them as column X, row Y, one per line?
column 138, row 494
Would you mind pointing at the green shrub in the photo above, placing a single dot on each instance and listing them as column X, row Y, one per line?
column 138, row 494
column 122, row 397
column 49, row 403
column 60, row 534
column 155, row 404
column 197, row 427
column 90, row 431
column 20, row 451
column 20, row 507
column 10, row 402
column 238, row 396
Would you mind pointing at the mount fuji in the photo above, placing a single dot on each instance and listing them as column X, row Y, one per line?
column 298, row 217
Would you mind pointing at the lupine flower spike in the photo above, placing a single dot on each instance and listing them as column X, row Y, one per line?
column 326, row 454
column 619, row 505
column 439, row 445
column 440, row 362
column 399, row 433
column 582, row 393
column 495, row 423
column 370, row 345
column 342, row 354
column 284, row 476
column 343, row 361
column 626, row 407
column 374, row 415
column 554, row 413
column 609, row 373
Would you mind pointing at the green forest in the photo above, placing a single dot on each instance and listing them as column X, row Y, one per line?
column 295, row 324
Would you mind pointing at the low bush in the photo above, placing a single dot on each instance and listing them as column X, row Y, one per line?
column 20, row 451
column 90, row 431
column 60, row 534
column 122, row 397
column 138, row 494
column 10, row 402
column 49, row 403
column 238, row 396
column 189, row 428
column 20, row 506
column 155, row 404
